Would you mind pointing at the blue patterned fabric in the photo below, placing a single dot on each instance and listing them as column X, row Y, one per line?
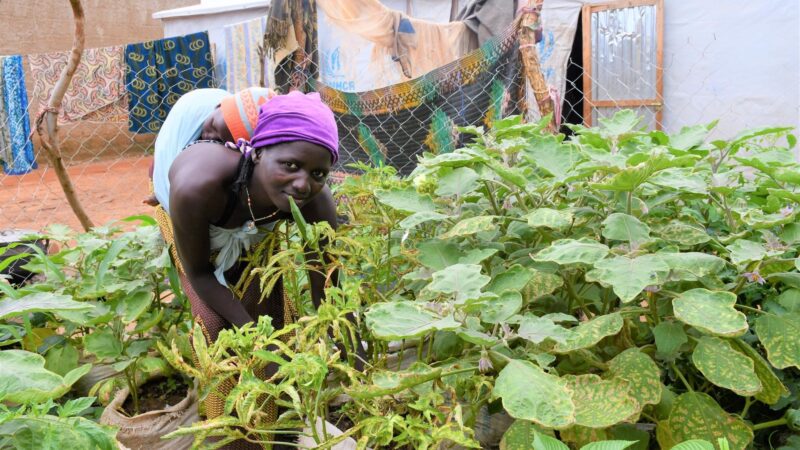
column 158, row 72
column 14, row 118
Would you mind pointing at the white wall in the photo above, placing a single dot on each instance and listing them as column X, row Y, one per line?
column 733, row 60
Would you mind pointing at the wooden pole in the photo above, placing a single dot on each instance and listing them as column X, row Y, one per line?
column 530, row 60
column 50, row 118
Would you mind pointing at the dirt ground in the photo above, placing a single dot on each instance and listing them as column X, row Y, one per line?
column 109, row 190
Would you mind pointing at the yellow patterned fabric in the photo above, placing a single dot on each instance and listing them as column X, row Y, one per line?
column 242, row 62
column 97, row 89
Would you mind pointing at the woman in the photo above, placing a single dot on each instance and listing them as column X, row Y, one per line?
column 219, row 198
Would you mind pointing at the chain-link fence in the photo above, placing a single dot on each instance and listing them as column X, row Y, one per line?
column 108, row 158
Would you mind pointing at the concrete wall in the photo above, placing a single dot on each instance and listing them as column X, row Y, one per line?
column 35, row 26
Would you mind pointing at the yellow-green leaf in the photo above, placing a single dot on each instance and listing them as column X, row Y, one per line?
column 470, row 226
column 600, row 403
column 641, row 374
column 711, row 312
column 541, row 283
column 683, row 233
column 695, row 415
column 773, row 388
column 531, row 394
column 556, row 219
column 573, row 251
column 725, row 367
column 780, row 336
column 590, row 333
column 629, row 276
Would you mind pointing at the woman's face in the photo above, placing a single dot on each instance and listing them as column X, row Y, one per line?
column 215, row 129
column 297, row 169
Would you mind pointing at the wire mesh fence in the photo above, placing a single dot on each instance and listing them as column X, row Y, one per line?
column 108, row 159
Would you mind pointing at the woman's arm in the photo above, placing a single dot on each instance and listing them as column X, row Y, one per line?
column 190, row 227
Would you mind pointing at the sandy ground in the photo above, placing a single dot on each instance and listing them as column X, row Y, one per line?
column 108, row 190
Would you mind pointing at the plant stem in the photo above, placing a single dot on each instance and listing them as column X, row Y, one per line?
column 772, row 423
column 680, row 375
column 747, row 402
column 629, row 203
column 492, row 200
column 652, row 302
column 429, row 350
column 747, row 308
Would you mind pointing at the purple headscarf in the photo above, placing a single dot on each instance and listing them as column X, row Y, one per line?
column 297, row 117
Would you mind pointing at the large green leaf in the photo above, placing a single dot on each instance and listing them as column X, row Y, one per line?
column 512, row 279
column 681, row 179
column 555, row 219
column 52, row 432
column 682, row 233
column 40, row 302
column 531, row 394
column 631, row 178
column 463, row 280
column 572, row 251
column 669, row 336
column 780, row 336
column 608, row 445
column 406, row 200
column 133, row 305
column 438, row 254
column 694, row 444
column 103, row 344
column 641, row 374
column 628, row 277
column 553, row 156
column 773, row 388
column 469, row 226
column 744, row 251
column 459, row 181
column 405, row 320
column 623, row 227
column 590, row 333
column 23, row 378
column 420, row 218
column 695, row 415
column 537, row 329
column 691, row 266
column 600, row 403
column 711, row 312
column 725, row 367
column 690, row 137
column 61, row 359
column 497, row 308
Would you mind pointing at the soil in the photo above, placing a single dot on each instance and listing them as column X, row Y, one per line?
column 108, row 189
column 157, row 395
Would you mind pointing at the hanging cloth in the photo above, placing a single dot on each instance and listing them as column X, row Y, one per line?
column 97, row 90
column 418, row 46
column 16, row 149
column 242, row 60
column 292, row 24
column 158, row 72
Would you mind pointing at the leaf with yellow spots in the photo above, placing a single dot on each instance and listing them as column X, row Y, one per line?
column 541, row 283
column 773, row 388
column 711, row 312
column 520, row 435
column 579, row 436
column 590, row 333
column 600, row 403
column 780, row 336
column 696, row 415
column 726, row 367
column 641, row 374
column 531, row 394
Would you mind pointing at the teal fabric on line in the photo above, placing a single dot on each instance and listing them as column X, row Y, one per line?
column 158, row 73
